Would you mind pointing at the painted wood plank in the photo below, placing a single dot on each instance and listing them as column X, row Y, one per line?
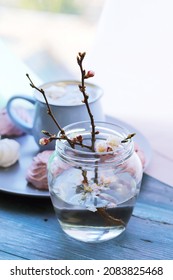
column 140, row 241
column 29, row 230
column 6, row 256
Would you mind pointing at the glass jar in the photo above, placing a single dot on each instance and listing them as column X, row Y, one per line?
column 94, row 193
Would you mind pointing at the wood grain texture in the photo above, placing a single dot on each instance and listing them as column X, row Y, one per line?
column 29, row 230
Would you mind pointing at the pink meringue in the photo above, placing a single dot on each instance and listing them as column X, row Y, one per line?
column 37, row 171
column 7, row 127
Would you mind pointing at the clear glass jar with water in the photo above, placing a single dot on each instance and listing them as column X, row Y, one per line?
column 94, row 193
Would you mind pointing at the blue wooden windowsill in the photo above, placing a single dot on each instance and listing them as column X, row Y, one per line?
column 29, row 230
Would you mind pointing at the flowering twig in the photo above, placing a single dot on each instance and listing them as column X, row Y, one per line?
column 128, row 137
column 82, row 88
column 75, row 141
column 48, row 107
column 51, row 137
column 78, row 140
column 110, row 219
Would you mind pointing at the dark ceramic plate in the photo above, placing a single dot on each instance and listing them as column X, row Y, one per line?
column 12, row 179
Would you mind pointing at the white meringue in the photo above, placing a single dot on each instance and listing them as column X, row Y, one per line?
column 9, row 152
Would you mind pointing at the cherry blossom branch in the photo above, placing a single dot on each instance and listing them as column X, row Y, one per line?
column 128, row 137
column 44, row 141
column 75, row 141
column 82, row 88
column 47, row 104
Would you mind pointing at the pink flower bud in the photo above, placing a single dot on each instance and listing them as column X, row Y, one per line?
column 79, row 138
column 89, row 74
column 109, row 149
column 44, row 141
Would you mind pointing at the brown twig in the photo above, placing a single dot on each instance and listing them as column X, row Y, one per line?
column 84, row 174
column 51, row 137
column 78, row 140
column 128, row 137
column 49, row 111
column 110, row 219
column 82, row 88
column 47, row 104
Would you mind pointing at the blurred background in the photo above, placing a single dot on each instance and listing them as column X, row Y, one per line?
column 47, row 35
column 129, row 46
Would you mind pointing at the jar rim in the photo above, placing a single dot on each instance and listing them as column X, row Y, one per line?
column 121, row 154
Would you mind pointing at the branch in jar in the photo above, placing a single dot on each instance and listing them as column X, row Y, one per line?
column 45, row 141
column 78, row 140
column 47, row 104
column 82, row 88
column 128, row 137
column 109, row 219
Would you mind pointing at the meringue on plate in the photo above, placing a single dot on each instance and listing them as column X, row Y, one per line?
column 7, row 127
column 9, row 152
column 37, row 171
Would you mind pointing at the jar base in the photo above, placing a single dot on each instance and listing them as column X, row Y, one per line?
column 92, row 234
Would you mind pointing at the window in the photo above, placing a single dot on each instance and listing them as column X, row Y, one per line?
column 47, row 35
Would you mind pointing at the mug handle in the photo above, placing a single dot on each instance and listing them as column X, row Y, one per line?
column 15, row 118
